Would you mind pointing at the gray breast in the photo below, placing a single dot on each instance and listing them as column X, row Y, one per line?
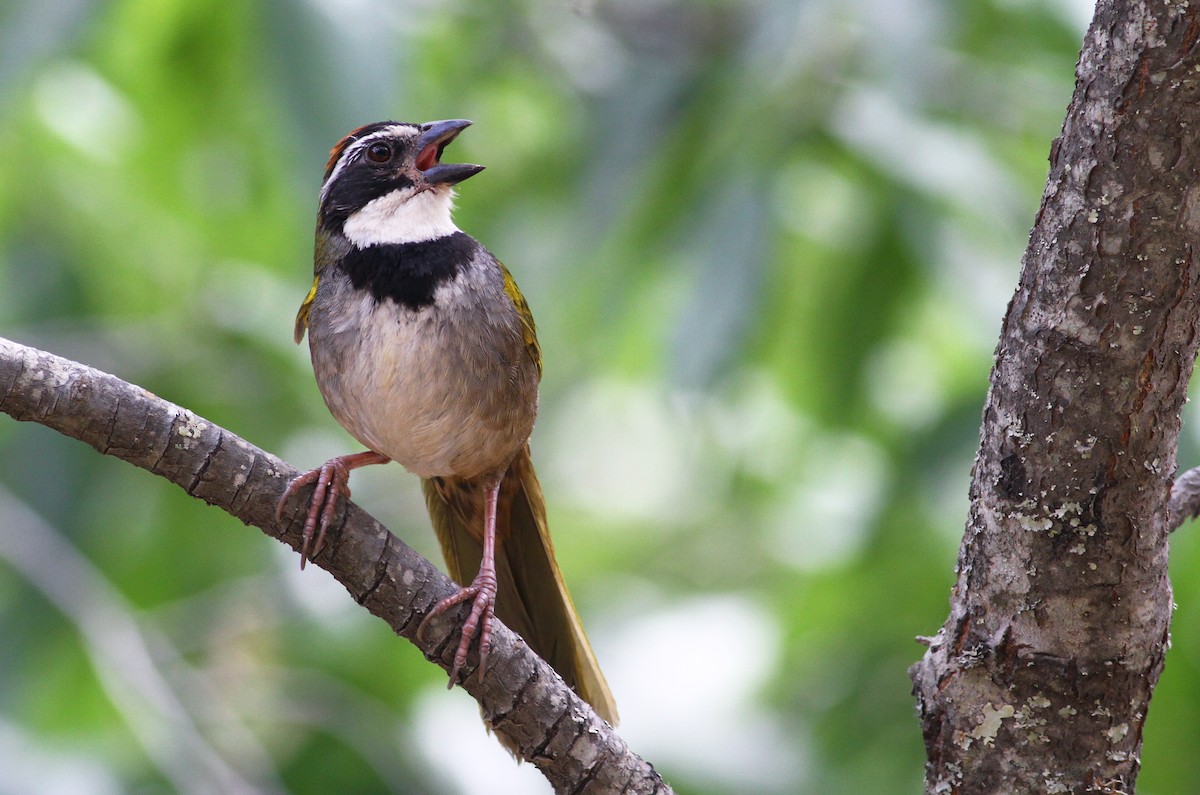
column 445, row 390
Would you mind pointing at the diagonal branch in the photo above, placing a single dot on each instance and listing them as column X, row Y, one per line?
column 523, row 700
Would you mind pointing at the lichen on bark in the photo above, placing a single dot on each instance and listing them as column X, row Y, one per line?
column 1059, row 618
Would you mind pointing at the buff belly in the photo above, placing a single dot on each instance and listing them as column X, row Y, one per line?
column 445, row 390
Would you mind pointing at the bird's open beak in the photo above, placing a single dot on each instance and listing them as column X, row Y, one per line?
column 435, row 137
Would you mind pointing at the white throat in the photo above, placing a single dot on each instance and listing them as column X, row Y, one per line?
column 402, row 217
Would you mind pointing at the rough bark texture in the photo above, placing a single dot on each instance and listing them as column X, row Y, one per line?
column 523, row 699
column 1040, row 678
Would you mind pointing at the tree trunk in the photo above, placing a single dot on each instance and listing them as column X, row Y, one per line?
column 1040, row 679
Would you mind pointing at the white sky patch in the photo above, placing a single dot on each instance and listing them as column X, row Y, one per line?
column 905, row 383
column 1076, row 13
column 1191, row 420
column 825, row 518
column 451, row 735
column 85, row 110
column 586, row 50
column 387, row 18
column 688, row 679
column 755, row 425
column 317, row 593
column 251, row 298
column 933, row 157
column 31, row 766
column 816, row 201
column 619, row 449
column 977, row 267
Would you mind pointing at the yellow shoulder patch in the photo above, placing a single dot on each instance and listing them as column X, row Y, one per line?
column 302, row 315
column 528, row 328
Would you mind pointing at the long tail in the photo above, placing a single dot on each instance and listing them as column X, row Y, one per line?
column 532, row 598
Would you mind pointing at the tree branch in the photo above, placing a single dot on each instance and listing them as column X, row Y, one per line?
column 1040, row 679
column 523, row 700
column 1185, row 499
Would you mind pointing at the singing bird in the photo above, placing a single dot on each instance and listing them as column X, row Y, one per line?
column 426, row 352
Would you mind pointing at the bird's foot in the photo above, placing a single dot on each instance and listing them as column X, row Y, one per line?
column 333, row 483
column 482, row 595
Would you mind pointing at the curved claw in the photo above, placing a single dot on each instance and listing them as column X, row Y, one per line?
column 333, row 483
column 482, row 593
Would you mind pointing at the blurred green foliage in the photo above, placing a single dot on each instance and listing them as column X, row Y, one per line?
column 768, row 244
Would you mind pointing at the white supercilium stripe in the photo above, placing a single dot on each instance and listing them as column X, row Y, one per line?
column 351, row 152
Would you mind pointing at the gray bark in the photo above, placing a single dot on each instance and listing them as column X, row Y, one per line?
column 524, row 701
column 1040, row 679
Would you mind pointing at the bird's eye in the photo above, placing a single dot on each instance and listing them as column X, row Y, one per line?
column 379, row 152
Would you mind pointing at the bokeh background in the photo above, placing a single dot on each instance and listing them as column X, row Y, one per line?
column 768, row 244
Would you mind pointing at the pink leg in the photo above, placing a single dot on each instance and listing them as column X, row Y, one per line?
column 333, row 483
column 481, row 592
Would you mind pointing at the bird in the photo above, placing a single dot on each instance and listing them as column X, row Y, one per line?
column 426, row 352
